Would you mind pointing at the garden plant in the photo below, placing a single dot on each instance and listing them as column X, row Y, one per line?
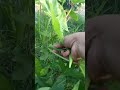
column 54, row 19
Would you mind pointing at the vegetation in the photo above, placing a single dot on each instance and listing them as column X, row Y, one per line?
column 53, row 21
column 16, row 44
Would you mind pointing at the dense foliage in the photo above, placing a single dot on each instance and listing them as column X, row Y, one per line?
column 53, row 22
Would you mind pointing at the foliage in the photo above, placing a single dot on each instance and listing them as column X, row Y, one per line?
column 16, row 43
column 103, row 7
column 53, row 72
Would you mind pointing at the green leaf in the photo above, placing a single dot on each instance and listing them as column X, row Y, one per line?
column 39, row 81
column 77, row 1
column 50, row 81
column 75, row 73
column 56, row 26
column 56, row 12
column 82, row 67
column 74, row 15
column 63, row 1
column 76, row 87
column 38, row 67
column 55, row 21
column 59, row 84
column 44, row 71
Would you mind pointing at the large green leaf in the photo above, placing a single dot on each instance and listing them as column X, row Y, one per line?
column 56, row 12
column 55, row 21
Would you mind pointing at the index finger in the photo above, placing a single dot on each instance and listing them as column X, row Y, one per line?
column 59, row 46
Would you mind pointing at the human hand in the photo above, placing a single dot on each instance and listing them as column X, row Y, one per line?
column 75, row 42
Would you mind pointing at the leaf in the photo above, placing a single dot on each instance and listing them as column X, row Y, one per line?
column 74, row 15
column 56, row 26
column 63, row 1
column 59, row 84
column 44, row 88
column 82, row 85
column 55, row 21
column 50, row 81
column 39, row 70
column 38, row 67
column 76, row 87
column 82, row 67
column 77, row 1
column 44, row 71
column 56, row 12
column 75, row 73
column 39, row 81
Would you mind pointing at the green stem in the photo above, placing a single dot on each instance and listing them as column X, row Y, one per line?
column 58, row 55
column 70, row 61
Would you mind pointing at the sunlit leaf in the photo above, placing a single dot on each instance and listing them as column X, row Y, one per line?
column 44, row 71
column 77, row 1
column 74, row 15
column 38, row 66
column 70, row 61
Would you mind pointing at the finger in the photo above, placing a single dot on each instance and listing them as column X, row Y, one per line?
column 55, row 51
column 69, row 40
column 59, row 46
column 65, row 53
column 74, row 53
column 78, row 59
